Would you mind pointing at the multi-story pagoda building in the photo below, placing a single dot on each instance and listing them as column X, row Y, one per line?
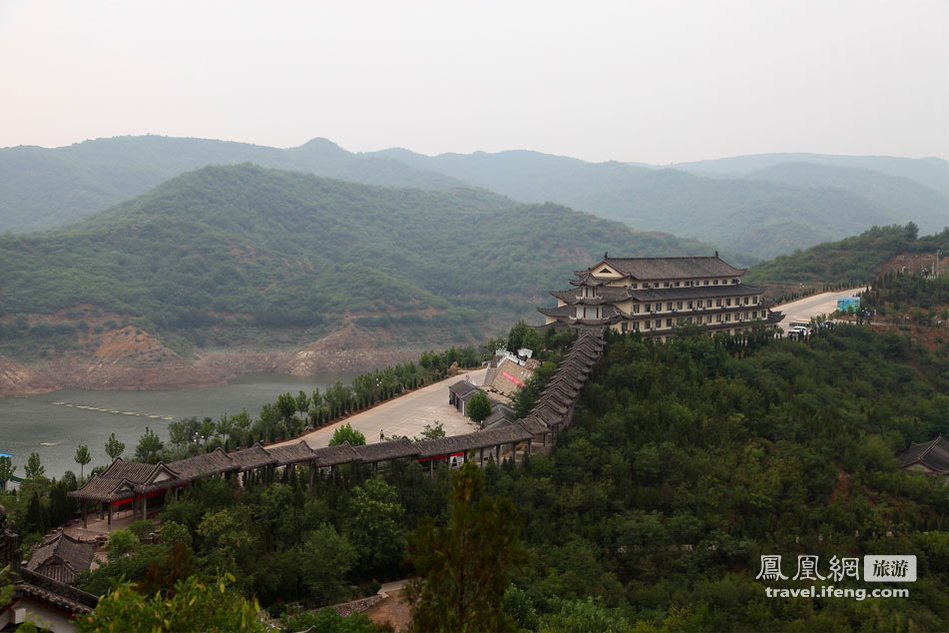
column 653, row 295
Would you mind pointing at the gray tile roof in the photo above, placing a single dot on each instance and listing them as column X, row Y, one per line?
column 254, row 457
column 383, row 451
column 335, row 455
column 671, row 267
column 52, row 592
column 76, row 555
column 291, row 453
column 934, row 455
column 205, row 464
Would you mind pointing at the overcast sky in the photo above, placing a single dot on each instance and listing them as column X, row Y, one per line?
column 657, row 81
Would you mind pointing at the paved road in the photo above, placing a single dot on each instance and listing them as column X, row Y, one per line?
column 406, row 415
column 815, row 305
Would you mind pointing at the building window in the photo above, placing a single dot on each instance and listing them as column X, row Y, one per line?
column 665, row 284
column 728, row 301
column 636, row 308
column 718, row 318
column 677, row 284
column 728, row 317
column 647, row 322
column 658, row 323
column 668, row 322
column 715, row 282
column 735, row 281
column 648, row 307
column 708, row 318
column 690, row 305
column 679, row 305
column 658, row 307
column 705, row 282
column 754, row 299
column 634, row 286
column 655, row 285
column 746, row 300
column 669, row 307
column 718, row 302
column 709, row 303
column 635, row 326
column 622, row 327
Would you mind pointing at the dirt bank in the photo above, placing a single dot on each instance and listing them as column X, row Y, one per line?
column 131, row 359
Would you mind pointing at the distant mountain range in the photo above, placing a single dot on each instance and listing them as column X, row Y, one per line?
column 757, row 205
column 776, row 209
column 929, row 172
column 221, row 255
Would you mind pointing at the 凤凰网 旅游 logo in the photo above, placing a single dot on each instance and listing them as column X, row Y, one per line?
column 821, row 578
column 883, row 568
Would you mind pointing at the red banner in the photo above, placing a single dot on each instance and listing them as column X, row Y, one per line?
column 514, row 379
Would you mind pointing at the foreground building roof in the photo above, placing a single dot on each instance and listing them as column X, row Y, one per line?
column 932, row 456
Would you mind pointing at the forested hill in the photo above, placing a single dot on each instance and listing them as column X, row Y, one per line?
column 42, row 188
column 763, row 214
column 858, row 259
column 229, row 251
column 779, row 209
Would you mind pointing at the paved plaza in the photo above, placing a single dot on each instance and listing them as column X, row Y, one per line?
column 405, row 415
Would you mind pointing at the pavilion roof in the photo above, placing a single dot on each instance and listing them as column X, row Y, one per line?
column 933, row 454
column 462, row 388
column 76, row 555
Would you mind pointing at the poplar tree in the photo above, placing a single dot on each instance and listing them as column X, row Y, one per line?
column 465, row 566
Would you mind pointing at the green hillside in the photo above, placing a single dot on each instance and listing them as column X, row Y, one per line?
column 223, row 254
column 754, row 216
column 42, row 188
column 857, row 259
column 930, row 209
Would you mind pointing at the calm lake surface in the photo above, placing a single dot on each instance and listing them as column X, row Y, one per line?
column 53, row 424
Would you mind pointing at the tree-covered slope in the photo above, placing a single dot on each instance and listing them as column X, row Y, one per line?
column 243, row 247
column 758, row 217
column 929, row 209
column 857, row 259
column 42, row 188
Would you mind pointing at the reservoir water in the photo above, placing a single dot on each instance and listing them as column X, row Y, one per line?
column 53, row 424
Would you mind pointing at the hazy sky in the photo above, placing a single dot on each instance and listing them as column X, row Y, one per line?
column 657, row 81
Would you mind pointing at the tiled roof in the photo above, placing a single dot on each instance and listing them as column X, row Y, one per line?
column 291, row 453
column 335, row 455
column 694, row 292
column 382, row 451
column 52, row 592
column 671, row 267
column 254, row 457
column 133, row 471
column 462, row 388
column 934, row 455
column 75, row 554
column 213, row 463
